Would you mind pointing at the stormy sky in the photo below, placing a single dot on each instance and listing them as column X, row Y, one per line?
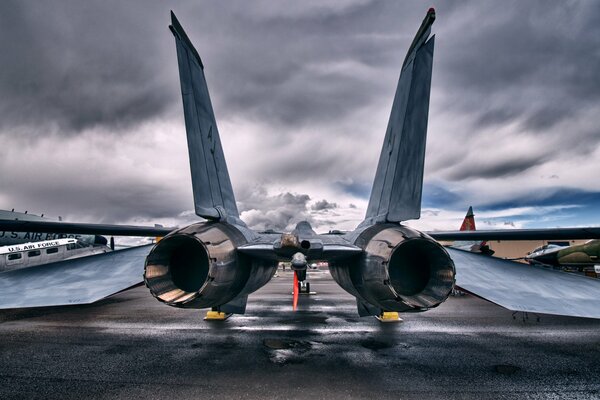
column 91, row 120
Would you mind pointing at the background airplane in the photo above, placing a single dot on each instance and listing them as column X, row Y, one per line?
column 30, row 254
column 582, row 257
column 27, row 249
column 478, row 246
column 386, row 265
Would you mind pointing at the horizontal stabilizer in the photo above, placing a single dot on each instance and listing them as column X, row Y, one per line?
column 80, row 281
column 328, row 252
column 213, row 193
column 522, row 287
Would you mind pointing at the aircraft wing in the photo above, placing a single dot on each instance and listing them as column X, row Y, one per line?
column 79, row 281
column 521, row 287
column 17, row 225
column 520, row 234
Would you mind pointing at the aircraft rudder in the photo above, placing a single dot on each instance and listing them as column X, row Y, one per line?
column 398, row 183
column 211, row 184
column 180, row 34
column 468, row 223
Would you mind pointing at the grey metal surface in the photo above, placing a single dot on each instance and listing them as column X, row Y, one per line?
column 199, row 267
column 213, row 194
column 521, row 287
column 80, row 281
column 389, row 273
column 396, row 193
column 328, row 252
column 405, row 197
column 520, row 234
column 302, row 239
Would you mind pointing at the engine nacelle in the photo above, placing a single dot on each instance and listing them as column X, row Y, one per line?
column 401, row 269
column 199, row 267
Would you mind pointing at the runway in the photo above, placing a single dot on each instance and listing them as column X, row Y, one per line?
column 132, row 346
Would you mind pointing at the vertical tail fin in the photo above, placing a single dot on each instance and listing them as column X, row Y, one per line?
column 474, row 246
column 469, row 221
column 213, row 194
column 396, row 194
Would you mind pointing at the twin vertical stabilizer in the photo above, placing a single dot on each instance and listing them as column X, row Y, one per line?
column 396, row 194
column 213, row 194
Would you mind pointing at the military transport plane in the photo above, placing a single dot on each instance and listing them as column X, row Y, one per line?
column 26, row 249
column 386, row 265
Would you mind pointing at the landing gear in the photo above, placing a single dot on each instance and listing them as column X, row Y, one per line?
column 303, row 283
column 304, row 287
column 301, row 273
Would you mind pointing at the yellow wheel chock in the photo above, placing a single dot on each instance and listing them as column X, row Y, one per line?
column 389, row 316
column 216, row 316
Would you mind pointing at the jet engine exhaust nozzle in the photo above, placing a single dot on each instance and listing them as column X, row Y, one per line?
column 421, row 273
column 196, row 267
column 400, row 270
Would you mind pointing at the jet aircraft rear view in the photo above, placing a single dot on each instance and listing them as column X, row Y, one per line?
column 218, row 263
column 386, row 266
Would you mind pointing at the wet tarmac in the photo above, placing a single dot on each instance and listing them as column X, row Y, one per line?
column 132, row 346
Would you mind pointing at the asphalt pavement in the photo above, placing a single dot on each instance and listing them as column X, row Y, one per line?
column 132, row 346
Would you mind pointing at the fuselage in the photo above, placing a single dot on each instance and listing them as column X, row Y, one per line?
column 30, row 254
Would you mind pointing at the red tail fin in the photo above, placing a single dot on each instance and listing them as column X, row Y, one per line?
column 469, row 221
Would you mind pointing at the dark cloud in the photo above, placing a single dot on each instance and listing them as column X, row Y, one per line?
column 547, row 197
column 281, row 212
column 261, row 211
column 311, row 68
column 527, row 61
column 323, row 205
column 100, row 202
column 69, row 66
column 302, row 93
column 500, row 168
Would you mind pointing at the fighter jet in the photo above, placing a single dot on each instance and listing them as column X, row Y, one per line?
column 387, row 266
column 581, row 256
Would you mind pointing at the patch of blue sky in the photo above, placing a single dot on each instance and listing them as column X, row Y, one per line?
column 357, row 189
column 436, row 195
